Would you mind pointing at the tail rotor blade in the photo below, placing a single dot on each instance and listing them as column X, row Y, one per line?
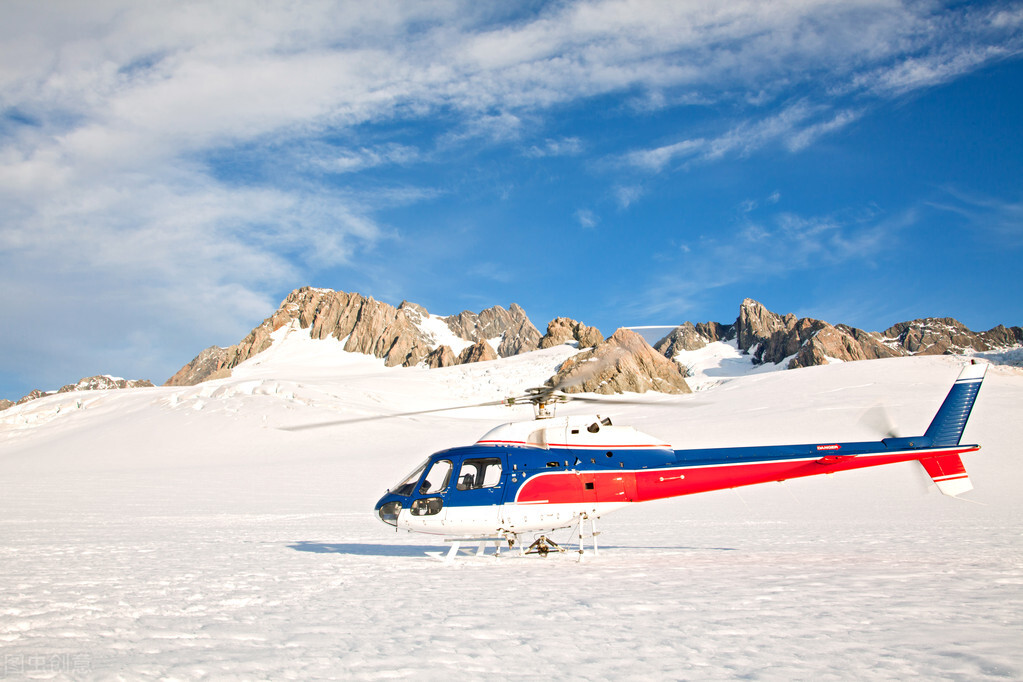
column 879, row 421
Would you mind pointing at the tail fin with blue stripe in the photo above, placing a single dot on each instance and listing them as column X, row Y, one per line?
column 946, row 429
column 947, row 426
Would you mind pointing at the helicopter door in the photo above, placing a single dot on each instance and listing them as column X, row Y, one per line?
column 428, row 508
column 473, row 502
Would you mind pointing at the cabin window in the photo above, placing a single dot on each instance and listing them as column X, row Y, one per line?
column 427, row 506
column 479, row 473
column 436, row 478
column 408, row 484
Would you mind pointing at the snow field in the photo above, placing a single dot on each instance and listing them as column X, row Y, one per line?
column 178, row 533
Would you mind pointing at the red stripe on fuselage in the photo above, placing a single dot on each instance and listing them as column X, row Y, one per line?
column 566, row 487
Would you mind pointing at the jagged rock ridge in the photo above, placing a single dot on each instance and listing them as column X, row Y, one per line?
column 624, row 362
column 99, row 382
column 562, row 330
column 770, row 337
column 512, row 326
column 400, row 336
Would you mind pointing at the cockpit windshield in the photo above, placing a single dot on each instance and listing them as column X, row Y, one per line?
column 408, row 484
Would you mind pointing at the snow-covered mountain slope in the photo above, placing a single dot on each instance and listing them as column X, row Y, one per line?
column 178, row 532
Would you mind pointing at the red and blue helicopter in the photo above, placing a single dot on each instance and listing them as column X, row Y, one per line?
column 551, row 473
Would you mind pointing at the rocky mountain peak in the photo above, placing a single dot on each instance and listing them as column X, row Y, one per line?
column 100, row 382
column 481, row 351
column 512, row 326
column 624, row 362
column 205, row 366
column 397, row 335
column 942, row 335
column 773, row 338
column 562, row 330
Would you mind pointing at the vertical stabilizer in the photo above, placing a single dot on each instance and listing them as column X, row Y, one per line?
column 948, row 424
column 946, row 429
column 948, row 473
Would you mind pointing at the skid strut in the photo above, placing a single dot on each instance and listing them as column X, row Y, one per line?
column 592, row 534
column 543, row 546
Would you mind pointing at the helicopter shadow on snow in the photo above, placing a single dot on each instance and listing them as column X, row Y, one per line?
column 361, row 548
column 379, row 549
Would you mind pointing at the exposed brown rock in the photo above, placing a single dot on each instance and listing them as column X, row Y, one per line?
column 685, row 337
column 441, row 356
column 625, row 362
column 399, row 336
column 757, row 324
column 562, row 330
column 95, row 383
column 481, row 351
column 103, row 382
column 825, row 344
column 771, row 337
column 872, row 343
column 34, row 394
column 401, row 342
column 366, row 326
column 517, row 333
column 201, row 368
column 943, row 335
column 414, row 312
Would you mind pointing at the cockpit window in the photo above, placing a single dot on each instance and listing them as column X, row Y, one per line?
column 437, row 478
column 479, row 473
column 408, row 484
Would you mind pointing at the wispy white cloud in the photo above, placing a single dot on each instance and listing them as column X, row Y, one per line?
column 795, row 127
column 567, row 146
column 968, row 40
column 586, row 218
column 626, row 195
column 354, row 160
column 998, row 220
column 759, row 251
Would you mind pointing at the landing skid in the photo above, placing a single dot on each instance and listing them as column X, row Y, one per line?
column 479, row 550
column 541, row 546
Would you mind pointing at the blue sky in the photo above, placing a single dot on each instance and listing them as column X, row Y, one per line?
column 169, row 171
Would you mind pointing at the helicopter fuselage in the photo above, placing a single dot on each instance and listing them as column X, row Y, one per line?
column 550, row 473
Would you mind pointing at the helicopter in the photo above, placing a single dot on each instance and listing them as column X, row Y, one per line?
column 552, row 473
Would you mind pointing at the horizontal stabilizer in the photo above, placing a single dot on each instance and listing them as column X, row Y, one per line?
column 948, row 473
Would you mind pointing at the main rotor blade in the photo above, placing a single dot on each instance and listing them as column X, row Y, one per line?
column 612, row 400
column 378, row 417
column 542, row 394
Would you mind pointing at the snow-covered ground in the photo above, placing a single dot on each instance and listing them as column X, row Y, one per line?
column 179, row 533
